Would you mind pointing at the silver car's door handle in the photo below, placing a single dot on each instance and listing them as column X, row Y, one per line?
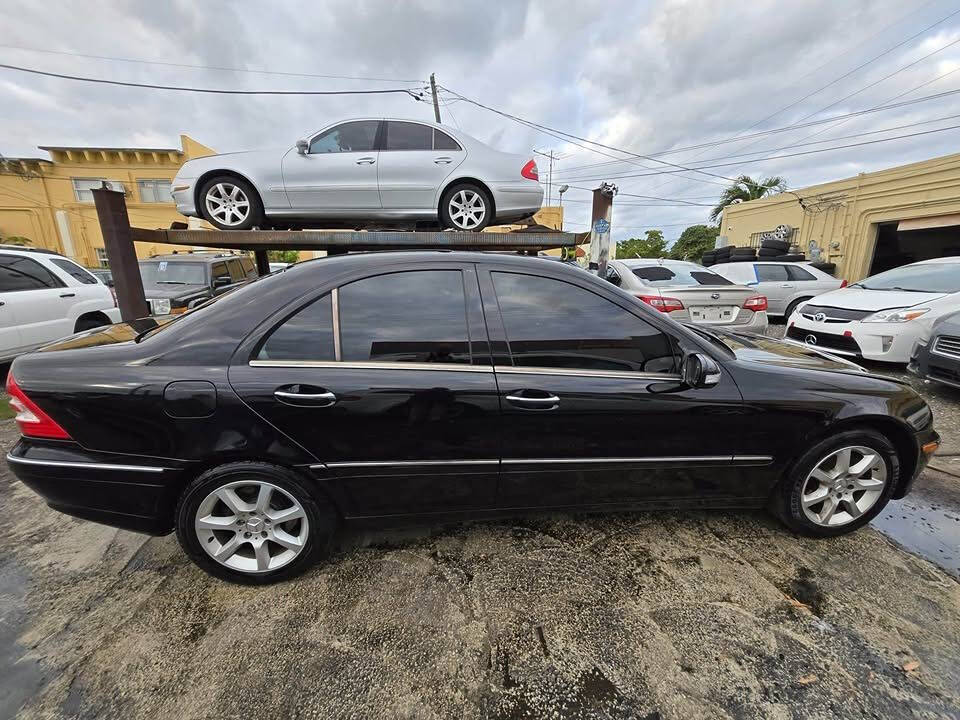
column 323, row 399
column 366, row 161
column 443, row 161
column 787, row 285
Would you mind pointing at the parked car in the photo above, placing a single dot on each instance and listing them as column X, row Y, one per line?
column 379, row 387
column 104, row 275
column 784, row 284
column 361, row 172
column 45, row 296
column 938, row 358
column 688, row 292
column 883, row 317
column 175, row 283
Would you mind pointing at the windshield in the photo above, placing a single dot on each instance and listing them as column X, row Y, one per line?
column 930, row 278
column 664, row 276
column 172, row 273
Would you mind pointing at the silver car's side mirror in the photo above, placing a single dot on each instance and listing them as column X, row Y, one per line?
column 302, row 146
column 700, row 371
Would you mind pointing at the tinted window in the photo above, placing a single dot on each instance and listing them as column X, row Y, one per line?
column 929, row 277
column 75, row 271
column 308, row 335
column 550, row 323
column 22, row 273
column 249, row 269
column 798, row 273
column 772, row 273
column 416, row 316
column 162, row 272
column 357, row 136
column 671, row 275
column 408, row 136
column 236, row 270
column 220, row 270
column 442, row 141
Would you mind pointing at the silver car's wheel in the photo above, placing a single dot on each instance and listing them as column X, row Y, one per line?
column 844, row 485
column 227, row 203
column 251, row 526
column 467, row 209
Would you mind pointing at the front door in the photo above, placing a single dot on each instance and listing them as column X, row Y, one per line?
column 338, row 173
column 383, row 381
column 593, row 409
column 414, row 161
column 36, row 304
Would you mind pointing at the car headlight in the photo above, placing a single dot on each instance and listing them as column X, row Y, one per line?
column 160, row 306
column 897, row 315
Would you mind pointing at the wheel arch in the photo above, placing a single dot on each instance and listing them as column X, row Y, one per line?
column 91, row 315
column 220, row 173
column 468, row 179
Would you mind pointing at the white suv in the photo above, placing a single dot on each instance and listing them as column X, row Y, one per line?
column 45, row 296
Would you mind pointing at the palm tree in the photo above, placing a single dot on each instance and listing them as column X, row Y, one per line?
column 745, row 188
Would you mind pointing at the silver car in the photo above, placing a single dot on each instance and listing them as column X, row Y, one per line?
column 785, row 284
column 362, row 173
column 690, row 293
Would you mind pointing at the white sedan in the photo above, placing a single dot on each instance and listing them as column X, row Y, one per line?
column 362, row 173
column 883, row 317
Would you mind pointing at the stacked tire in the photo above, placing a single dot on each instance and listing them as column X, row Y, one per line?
column 709, row 258
column 743, row 254
column 722, row 254
column 775, row 246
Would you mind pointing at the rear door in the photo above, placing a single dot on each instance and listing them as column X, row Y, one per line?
column 36, row 300
column 337, row 173
column 414, row 161
column 774, row 282
column 386, row 380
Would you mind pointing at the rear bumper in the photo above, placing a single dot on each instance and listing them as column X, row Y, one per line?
column 516, row 199
column 745, row 320
column 123, row 491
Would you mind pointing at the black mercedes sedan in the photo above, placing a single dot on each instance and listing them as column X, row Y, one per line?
column 387, row 387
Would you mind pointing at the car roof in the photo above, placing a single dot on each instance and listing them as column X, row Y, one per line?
column 29, row 250
column 665, row 262
column 932, row 261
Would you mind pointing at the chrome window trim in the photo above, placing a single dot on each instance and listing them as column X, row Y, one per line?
column 86, row 465
column 368, row 365
column 627, row 374
column 335, row 312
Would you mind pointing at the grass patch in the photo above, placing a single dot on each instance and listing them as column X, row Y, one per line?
column 6, row 412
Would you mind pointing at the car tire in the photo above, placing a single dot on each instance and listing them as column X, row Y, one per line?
column 465, row 196
column 769, row 252
column 89, row 323
column 793, row 306
column 774, row 244
column 305, row 538
column 743, row 251
column 800, row 486
column 241, row 206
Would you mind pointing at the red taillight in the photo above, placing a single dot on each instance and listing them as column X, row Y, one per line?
column 530, row 170
column 33, row 421
column 663, row 304
column 843, row 284
column 755, row 303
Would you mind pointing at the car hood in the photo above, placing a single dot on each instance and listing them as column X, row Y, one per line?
column 172, row 291
column 770, row 351
column 853, row 298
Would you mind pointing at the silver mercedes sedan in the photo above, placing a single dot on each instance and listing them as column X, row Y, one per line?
column 363, row 173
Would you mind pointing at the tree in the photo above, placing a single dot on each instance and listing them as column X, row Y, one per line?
column 283, row 256
column 694, row 242
column 16, row 240
column 651, row 246
column 745, row 188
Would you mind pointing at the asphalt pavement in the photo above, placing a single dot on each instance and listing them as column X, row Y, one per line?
column 638, row 615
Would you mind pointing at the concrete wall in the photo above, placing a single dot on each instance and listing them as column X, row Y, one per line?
column 841, row 217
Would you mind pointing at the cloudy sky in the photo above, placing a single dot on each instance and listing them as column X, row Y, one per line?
column 641, row 77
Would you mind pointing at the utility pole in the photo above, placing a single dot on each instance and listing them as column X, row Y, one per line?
column 553, row 156
column 436, row 102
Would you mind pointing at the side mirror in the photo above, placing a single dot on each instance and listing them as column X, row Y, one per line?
column 221, row 281
column 700, row 371
column 302, row 146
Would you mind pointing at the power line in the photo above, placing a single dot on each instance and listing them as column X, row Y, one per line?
column 205, row 67
column 214, row 91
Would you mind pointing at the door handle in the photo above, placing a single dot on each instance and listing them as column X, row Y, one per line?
column 2, row 303
column 366, row 161
column 443, row 161
column 786, row 285
column 322, row 399
column 68, row 295
column 547, row 402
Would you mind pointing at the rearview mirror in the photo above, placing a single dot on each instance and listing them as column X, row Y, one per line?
column 700, row 371
column 302, row 146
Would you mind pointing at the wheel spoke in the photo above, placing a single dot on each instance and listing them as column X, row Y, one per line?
column 263, row 498
column 826, row 513
column 843, row 462
column 233, row 192
column 866, row 463
column 233, row 501
column 217, row 522
column 285, row 515
column 868, row 483
column 817, row 496
column 851, row 507
column 227, row 550
column 286, row 540
column 221, row 191
column 262, row 553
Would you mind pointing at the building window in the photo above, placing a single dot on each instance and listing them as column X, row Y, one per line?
column 102, row 258
column 155, row 191
column 82, row 187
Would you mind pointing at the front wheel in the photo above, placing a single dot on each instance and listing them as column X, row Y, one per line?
column 229, row 203
column 467, row 207
column 839, row 485
column 253, row 523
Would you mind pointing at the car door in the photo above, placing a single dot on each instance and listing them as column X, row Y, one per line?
column 774, row 282
column 414, row 161
column 89, row 291
column 337, row 173
column 593, row 409
column 386, row 380
column 37, row 299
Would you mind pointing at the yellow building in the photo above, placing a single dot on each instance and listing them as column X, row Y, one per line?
column 865, row 224
column 50, row 203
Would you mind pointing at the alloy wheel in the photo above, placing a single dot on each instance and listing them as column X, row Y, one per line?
column 227, row 204
column 467, row 209
column 843, row 486
column 251, row 526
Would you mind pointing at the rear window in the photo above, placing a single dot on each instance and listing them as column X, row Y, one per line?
column 664, row 276
column 75, row 271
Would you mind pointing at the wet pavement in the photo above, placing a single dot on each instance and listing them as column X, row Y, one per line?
column 636, row 615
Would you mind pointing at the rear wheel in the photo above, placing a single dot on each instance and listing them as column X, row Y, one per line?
column 467, row 207
column 229, row 203
column 253, row 523
column 89, row 322
column 839, row 485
